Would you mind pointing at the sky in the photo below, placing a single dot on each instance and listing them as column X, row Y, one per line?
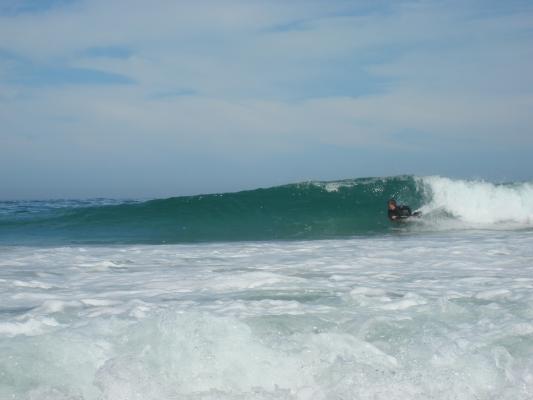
column 138, row 99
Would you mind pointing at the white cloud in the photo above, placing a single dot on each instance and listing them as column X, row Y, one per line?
column 447, row 74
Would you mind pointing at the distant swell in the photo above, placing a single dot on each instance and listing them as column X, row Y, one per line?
column 312, row 210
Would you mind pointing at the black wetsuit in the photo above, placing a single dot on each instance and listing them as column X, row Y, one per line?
column 400, row 212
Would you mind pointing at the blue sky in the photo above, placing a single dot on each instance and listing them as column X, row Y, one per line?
column 147, row 99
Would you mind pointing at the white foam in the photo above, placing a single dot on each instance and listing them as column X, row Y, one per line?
column 479, row 202
column 363, row 318
column 402, row 304
column 249, row 280
column 30, row 327
column 366, row 291
column 55, row 306
column 100, row 302
column 334, row 186
column 31, row 284
column 493, row 294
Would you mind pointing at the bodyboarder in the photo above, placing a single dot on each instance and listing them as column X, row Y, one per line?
column 399, row 212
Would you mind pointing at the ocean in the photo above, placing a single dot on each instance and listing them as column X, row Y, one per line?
column 302, row 291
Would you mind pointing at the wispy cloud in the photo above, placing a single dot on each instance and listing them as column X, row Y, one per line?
column 248, row 79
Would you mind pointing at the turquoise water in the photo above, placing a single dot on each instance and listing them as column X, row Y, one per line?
column 198, row 298
column 312, row 210
column 306, row 210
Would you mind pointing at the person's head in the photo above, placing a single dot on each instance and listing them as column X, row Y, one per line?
column 392, row 204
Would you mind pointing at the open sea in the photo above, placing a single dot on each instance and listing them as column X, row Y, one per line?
column 304, row 291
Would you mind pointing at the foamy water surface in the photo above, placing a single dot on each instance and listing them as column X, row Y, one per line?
column 435, row 316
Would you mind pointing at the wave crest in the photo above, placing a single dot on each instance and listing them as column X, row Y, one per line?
column 309, row 210
column 479, row 202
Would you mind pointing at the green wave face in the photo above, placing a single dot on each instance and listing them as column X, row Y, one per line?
column 314, row 210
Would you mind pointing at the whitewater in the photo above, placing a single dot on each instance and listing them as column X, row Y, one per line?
column 105, row 299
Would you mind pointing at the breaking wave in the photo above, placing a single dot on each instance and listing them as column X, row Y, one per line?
column 310, row 210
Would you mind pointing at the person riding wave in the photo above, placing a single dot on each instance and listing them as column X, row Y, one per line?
column 399, row 212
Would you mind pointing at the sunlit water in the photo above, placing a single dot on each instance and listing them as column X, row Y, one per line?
column 400, row 316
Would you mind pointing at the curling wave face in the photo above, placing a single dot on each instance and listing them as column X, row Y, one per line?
column 312, row 210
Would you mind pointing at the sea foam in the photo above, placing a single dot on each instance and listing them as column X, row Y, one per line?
column 444, row 316
column 479, row 202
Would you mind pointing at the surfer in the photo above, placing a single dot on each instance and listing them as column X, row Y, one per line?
column 400, row 212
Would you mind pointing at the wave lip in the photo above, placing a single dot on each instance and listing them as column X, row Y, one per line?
column 479, row 202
